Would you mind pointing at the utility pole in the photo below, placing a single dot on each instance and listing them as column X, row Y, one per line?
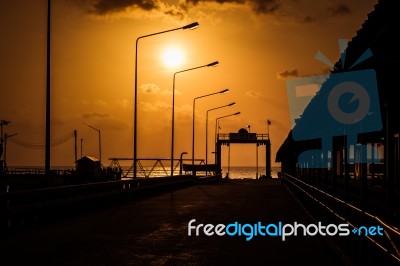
column 3, row 166
column 98, row 130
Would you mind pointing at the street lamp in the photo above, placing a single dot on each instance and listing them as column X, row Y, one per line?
column 230, row 104
column 98, row 130
column 217, row 123
column 191, row 26
column 180, row 162
column 213, row 64
column 81, row 146
column 217, row 128
column 194, row 103
column 5, row 145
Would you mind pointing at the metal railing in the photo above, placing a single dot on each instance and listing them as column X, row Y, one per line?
column 227, row 136
column 26, row 207
column 148, row 167
column 350, row 214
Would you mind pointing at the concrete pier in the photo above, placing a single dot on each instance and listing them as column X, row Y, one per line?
column 153, row 230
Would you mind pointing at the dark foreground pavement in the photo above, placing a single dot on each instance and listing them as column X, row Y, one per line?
column 153, row 231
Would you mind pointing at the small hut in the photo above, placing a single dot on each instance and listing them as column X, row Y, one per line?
column 88, row 166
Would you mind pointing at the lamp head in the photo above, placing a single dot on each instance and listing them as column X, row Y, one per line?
column 191, row 26
column 216, row 63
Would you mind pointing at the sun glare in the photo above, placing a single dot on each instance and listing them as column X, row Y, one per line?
column 172, row 57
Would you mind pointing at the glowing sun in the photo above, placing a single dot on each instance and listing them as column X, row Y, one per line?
column 172, row 57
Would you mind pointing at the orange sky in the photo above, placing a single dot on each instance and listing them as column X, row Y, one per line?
column 259, row 44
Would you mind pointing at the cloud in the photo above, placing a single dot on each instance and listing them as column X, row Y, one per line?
column 300, row 11
column 150, row 88
column 100, row 102
column 265, row 6
column 308, row 19
column 339, row 10
column 113, row 124
column 95, row 115
column 288, row 73
column 258, row 6
column 124, row 103
column 155, row 107
column 103, row 7
column 119, row 7
column 253, row 94
column 108, row 7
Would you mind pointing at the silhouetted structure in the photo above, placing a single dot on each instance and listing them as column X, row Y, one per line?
column 244, row 137
column 372, row 184
column 379, row 34
column 88, row 166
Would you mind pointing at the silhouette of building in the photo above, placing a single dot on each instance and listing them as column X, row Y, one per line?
column 88, row 166
column 376, row 180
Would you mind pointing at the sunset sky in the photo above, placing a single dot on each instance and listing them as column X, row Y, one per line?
column 259, row 44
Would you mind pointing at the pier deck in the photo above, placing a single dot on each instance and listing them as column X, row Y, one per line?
column 153, row 231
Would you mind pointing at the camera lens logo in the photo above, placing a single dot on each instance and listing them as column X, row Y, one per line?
column 358, row 93
column 339, row 104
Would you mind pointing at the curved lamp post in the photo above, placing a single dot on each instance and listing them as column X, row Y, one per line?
column 213, row 64
column 217, row 129
column 98, row 131
column 181, row 162
column 217, row 123
column 189, row 26
column 194, row 103
column 230, row 104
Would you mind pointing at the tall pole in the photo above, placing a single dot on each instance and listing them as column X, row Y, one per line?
column 173, row 110
column 76, row 147
column 81, row 146
column 217, row 130
column 98, row 131
column 207, row 129
column 100, row 144
column 47, row 152
column 194, row 108
column 5, row 145
column 256, row 160
column 173, row 125
column 3, row 141
column 135, row 138
column 217, row 124
column 181, row 162
column 268, row 124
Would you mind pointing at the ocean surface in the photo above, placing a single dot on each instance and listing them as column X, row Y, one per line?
column 240, row 172
column 234, row 172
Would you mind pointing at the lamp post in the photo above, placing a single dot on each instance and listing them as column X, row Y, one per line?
column 217, row 123
column 217, row 131
column 135, row 138
column 230, row 104
column 213, row 64
column 5, row 145
column 81, row 146
column 180, row 162
column 194, row 103
column 98, row 130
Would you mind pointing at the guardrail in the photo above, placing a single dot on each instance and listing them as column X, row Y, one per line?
column 21, row 209
column 341, row 210
column 149, row 167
